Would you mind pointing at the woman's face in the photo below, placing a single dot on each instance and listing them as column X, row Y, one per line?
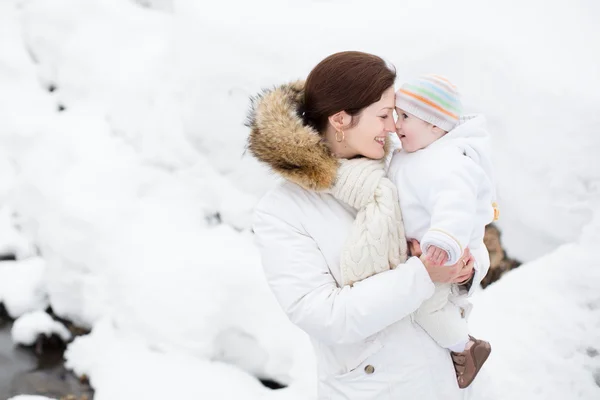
column 367, row 138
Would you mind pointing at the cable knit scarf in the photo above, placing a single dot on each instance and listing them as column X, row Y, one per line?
column 377, row 241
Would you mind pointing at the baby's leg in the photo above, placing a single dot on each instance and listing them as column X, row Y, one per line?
column 443, row 321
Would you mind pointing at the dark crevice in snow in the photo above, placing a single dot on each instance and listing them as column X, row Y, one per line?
column 271, row 384
column 8, row 257
column 49, row 350
column 597, row 377
column 593, row 305
column 142, row 3
column 51, row 87
column 3, row 314
column 158, row 5
column 238, row 347
column 214, row 219
column 74, row 329
column 32, row 55
column 592, row 352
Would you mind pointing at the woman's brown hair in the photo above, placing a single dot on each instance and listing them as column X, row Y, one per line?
column 347, row 81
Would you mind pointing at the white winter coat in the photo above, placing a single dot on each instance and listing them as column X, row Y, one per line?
column 366, row 342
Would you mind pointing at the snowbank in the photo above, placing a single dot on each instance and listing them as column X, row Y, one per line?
column 178, row 97
column 123, row 367
column 543, row 321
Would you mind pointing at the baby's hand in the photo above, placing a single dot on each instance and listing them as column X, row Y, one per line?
column 437, row 255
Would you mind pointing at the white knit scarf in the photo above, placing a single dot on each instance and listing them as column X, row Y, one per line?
column 377, row 241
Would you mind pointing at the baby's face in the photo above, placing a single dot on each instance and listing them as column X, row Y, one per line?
column 414, row 133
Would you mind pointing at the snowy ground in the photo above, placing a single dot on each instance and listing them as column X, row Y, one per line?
column 123, row 189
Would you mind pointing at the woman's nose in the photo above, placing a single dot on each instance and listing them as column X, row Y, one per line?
column 390, row 126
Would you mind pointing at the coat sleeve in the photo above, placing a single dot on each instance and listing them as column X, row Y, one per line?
column 449, row 192
column 299, row 277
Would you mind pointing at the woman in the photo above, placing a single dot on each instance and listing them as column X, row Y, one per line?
column 365, row 339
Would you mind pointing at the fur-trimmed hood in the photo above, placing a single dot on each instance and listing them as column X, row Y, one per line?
column 279, row 138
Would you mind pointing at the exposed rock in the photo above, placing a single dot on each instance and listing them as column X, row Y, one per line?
column 499, row 262
column 38, row 370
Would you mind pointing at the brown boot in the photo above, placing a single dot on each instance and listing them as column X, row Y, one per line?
column 469, row 362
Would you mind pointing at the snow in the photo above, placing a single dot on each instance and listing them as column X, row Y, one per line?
column 123, row 191
column 12, row 241
column 23, row 286
column 173, row 374
column 28, row 327
column 28, row 397
column 563, row 288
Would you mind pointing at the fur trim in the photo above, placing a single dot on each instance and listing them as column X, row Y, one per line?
column 279, row 139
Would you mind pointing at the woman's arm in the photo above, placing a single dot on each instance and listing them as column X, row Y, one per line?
column 299, row 277
column 470, row 272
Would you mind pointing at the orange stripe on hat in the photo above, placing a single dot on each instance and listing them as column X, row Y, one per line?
column 441, row 78
column 429, row 103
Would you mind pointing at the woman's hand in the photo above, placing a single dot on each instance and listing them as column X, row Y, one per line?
column 414, row 248
column 457, row 273
column 467, row 271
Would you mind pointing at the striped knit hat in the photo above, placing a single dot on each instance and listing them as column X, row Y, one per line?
column 431, row 98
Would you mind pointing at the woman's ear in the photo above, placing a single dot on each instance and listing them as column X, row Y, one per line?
column 340, row 120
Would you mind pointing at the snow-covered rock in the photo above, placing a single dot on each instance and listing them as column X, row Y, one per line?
column 28, row 327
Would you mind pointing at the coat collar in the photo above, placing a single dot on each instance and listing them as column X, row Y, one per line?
column 279, row 138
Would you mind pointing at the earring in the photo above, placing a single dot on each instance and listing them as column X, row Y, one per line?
column 337, row 139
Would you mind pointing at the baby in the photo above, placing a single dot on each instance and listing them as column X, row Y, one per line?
column 443, row 173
